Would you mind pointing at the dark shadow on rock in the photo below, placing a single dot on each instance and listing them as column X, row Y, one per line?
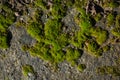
column 93, row 21
column 9, row 37
column 99, row 8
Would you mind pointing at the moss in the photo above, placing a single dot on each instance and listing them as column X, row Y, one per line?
column 81, row 67
column 58, row 10
column 106, row 48
column 117, row 22
column 93, row 48
column 58, row 56
column 40, row 3
column 42, row 51
column 97, row 17
column 113, row 4
column 35, row 30
column 83, row 20
column 73, row 54
column 116, row 31
column 26, row 69
column 110, row 19
column 114, row 70
column 5, row 21
column 80, row 3
column 52, row 29
column 3, row 41
column 52, row 42
column 25, row 47
column 100, row 35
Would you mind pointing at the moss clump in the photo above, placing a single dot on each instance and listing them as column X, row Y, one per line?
column 58, row 10
column 110, row 19
column 106, row 48
column 117, row 22
column 26, row 69
column 93, row 48
column 52, row 29
column 25, row 47
column 83, row 20
column 3, row 41
column 114, row 70
column 113, row 4
column 81, row 67
column 6, row 20
column 116, row 31
column 35, row 30
column 100, row 35
column 97, row 17
column 42, row 51
column 73, row 54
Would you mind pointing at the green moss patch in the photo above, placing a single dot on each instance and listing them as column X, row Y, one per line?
column 93, row 48
column 110, row 19
column 6, row 20
column 100, row 35
column 116, row 31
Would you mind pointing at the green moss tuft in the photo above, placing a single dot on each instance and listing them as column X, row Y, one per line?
column 97, row 17
column 27, row 69
column 100, row 35
column 106, row 48
column 3, row 41
column 35, row 30
column 5, row 21
column 73, row 54
column 110, row 19
column 93, row 48
column 116, row 31
column 81, row 67
column 117, row 22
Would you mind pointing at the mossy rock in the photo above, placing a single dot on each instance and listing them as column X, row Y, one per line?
column 26, row 69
